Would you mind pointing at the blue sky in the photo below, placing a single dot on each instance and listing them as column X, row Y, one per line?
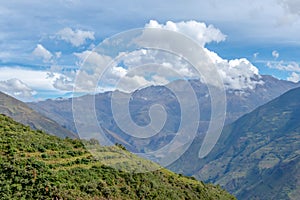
column 42, row 42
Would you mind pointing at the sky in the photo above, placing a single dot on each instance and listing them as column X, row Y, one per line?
column 44, row 43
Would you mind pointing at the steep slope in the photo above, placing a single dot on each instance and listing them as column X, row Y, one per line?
column 258, row 156
column 20, row 112
column 34, row 165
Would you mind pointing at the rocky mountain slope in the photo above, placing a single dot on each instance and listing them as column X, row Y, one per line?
column 258, row 156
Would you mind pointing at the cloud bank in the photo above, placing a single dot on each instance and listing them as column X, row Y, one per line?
column 290, row 67
column 32, row 82
column 237, row 74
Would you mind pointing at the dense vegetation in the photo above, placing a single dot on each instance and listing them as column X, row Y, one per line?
column 34, row 165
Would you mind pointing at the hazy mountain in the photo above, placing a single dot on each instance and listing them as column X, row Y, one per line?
column 258, row 156
column 238, row 103
column 20, row 112
column 35, row 165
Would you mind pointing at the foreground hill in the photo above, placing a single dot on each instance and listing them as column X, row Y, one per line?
column 34, row 165
column 20, row 112
column 258, row 156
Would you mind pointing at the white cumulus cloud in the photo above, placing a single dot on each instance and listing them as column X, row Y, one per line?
column 17, row 88
column 75, row 37
column 198, row 31
column 237, row 74
column 89, row 77
column 91, row 65
column 63, row 83
column 36, row 79
column 42, row 52
column 294, row 77
column 275, row 54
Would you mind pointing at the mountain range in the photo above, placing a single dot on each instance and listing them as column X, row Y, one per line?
column 238, row 104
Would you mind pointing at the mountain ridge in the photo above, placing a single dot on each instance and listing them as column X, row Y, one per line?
column 22, row 113
column 237, row 105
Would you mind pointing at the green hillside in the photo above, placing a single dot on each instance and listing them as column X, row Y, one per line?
column 20, row 112
column 35, row 165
